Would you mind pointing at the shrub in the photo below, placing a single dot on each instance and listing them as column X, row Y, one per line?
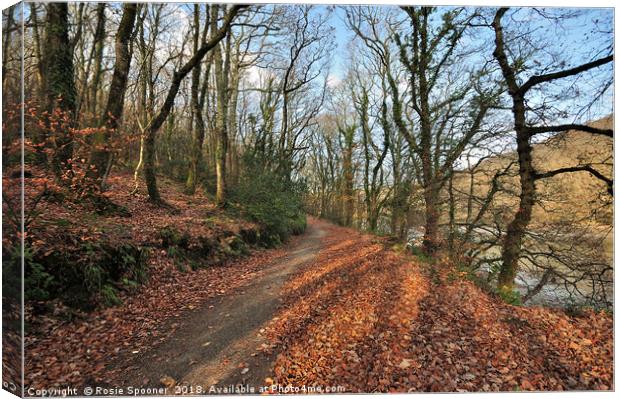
column 11, row 273
column 84, row 278
column 419, row 253
column 37, row 281
column 236, row 246
column 273, row 202
column 109, row 296
column 298, row 224
column 179, row 256
column 170, row 236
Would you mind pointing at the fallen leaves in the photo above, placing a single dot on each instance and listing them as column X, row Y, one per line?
column 366, row 319
column 405, row 364
column 361, row 317
column 79, row 350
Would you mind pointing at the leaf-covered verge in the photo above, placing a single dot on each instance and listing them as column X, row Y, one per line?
column 368, row 319
column 100, row 283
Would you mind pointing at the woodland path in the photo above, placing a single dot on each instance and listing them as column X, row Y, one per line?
column 216, row 344
column 341, row 309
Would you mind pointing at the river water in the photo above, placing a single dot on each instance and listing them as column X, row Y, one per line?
column 583, row 267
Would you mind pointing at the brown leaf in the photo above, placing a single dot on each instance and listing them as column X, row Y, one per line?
column 168, row 382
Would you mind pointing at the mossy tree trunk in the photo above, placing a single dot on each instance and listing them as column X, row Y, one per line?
column 98, row 44
column 8, row 28
column 58, row 87
column 198, row 100
column 348, row 135
column 222, row 70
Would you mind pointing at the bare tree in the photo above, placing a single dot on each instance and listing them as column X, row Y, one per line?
column 198, row 100
column 156, row 123
column 524, row 131
column 308, row 49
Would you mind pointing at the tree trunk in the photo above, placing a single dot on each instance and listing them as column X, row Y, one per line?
column 102, row 155
column 511, row 248
column 222, row 68
column 347, row 165
column 430, row 242
column 136, row 172
column 37, row 44
column 451, row 212
column 220, row 165
column 516, row 230
column 149, row 166
column 8, row 27
column 157, row 122
column 373, row 217
column 199, row 125
column 233, row 100
column 58, row 85
column 98, row 42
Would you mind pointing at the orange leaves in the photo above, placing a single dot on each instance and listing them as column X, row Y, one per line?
column 343, row 300
column 360, row 317
column 48, row 135
column 122, row 332
column 372, row 323
column 405, row 364
column 56, row 349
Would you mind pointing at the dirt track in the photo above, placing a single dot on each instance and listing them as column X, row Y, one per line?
column 217, row 344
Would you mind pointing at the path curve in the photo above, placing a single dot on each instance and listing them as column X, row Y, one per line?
column 216, row 345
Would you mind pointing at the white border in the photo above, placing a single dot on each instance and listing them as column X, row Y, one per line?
column 539, row 3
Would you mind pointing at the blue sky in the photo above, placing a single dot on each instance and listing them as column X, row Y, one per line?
column 577, row 38
column 343, row 38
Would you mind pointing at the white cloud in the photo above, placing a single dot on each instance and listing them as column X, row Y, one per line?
column 333, row 81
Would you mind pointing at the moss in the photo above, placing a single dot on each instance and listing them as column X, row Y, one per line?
column 272, row 201
column 298, row 224
column 105, row 207
column 207, row 246
column 251, row 236
column 179, row 257
column 509, row 295
column 269, row 239
column 237, row 246
column 419, row 253
column 170, row 236
column 109, row 296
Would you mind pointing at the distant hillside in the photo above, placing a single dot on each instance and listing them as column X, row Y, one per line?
column 567, row 197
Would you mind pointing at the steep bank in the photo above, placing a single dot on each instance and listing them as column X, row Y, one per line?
column 99, row 284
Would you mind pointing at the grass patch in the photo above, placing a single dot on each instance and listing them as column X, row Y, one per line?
column 509, row 295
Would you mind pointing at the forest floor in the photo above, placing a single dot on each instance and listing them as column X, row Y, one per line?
column 332, row 309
